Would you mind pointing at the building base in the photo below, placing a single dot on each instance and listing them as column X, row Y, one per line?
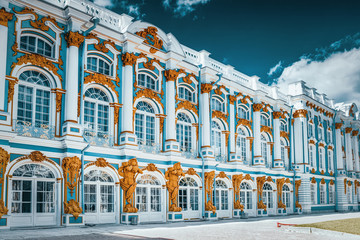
column 209, row 215
column 69, row 220
column 130, row 218
column 175, row 216
column 262, row 213
column 4, row 222
column 281, row 211
column 237, row 213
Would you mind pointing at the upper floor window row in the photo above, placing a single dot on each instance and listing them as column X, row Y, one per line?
column 217, row 104
column 265, row 120
column 243, row 113
column 99, row 65
column 187, row 94
column 147, row 81
column 37, row 45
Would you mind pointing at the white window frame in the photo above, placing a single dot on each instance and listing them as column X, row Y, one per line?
column 241, row 147
column 157, row 81
column 221, row 102
column 322, row 191
column 312, row 159
column 145, row 114
column 102, row 58
column 313, row 193
column 184, row 126
column 190, row 89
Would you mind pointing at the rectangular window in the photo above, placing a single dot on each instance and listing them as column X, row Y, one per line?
column 90, row 198
column 42, row 108
column 141, row 199
column 89, row 115
column 45, row 197
column 155, row 200
column 311, row 155
column 331, row 195
column 322, row 194
column 313, row 193
column 139, row 129
column 21, row 196
column 25, row 103
column 107, row 199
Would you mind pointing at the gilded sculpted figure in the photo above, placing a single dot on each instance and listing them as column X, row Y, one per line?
column 237, row 179
column 129, row 171
column 209, row 182
column 173, row 175
column 72, row 207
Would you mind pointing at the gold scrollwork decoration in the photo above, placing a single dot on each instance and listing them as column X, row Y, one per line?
column 187, row 105
column 151, row 38
column 72, row 207
column 71, row 170
column 257, row 107
column 236, row 180
column 297, row 186
column 5, row 17
column 102, row 80
column 209, row 185
column 74, row 39
column 220, row 115
column 148, row 93
column 206, row 88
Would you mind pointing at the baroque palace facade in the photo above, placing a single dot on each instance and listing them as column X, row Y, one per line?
column 104, row 119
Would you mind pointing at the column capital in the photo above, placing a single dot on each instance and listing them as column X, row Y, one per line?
column 5, row 17
column 355, row 133
column 206, row 88
column 348, row 130
column 301, row 113
column 128, row 59
column 74, row 39
column 277, row 115
column 171, row 75
column 257, row 107
column 232, row 99
column 338, row 125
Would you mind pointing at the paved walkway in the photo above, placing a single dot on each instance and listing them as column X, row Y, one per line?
column 253, row 228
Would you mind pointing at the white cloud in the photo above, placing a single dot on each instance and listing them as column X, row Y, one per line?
column 275, row 68
column 182, row 7
column 104, row 3
column 337, row 75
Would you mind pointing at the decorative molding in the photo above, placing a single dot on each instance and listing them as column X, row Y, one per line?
column 284, row 135
column 331, row 182
column 313, row 180
column 218, row 90
column 173, row 175
column 116, row 107
column 187, row 78
column 151, row 38
column 209, row 185
column 279, row 185
column 297, row 186
column 151, row 168
column 161, row 118
column 3, row 208
column 222, row 175
column 171, row 75
column 37, row 60
column 232, row 99
column 266, row 129
column 4, row 161
column 260, row 183
column 338, row 125
column 128, row 59
column 277, row 115
column 102, row 80
column 129, row 171
column 11, row 88
column 71, row 171
column 301, row 113
column 148, row 93
column 236, row 180
column 248, row 177
column 206, row 88
column 345, row 180
column 355, row 133
column 257, row 107
column 58, row 98
column 74, row 39
column 244, row 122
column 187, row 105
column 191, row 171
column 5, row 17
column 220, row 115
column 72, row 207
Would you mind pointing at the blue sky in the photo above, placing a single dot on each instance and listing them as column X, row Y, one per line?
column 280, row 41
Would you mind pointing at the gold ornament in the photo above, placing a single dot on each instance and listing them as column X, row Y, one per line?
column 220, row 115
column 187, row 105
column 74, row 39
column 173, row 175
column 5, row 17
column 129, row 171
column 102, row 80
column 72, row 207
column 301, row 113
column 128, row 59
column 209, row 184
column 151, row 38
column 3, row 209
column 206, row 88
column 232, row 99
column 338, row 125
column 257, row 107
column 236, row 180
column 71, row 170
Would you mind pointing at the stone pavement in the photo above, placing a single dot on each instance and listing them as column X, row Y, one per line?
column 252, row 228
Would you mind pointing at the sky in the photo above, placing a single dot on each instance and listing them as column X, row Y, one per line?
column 280, row 41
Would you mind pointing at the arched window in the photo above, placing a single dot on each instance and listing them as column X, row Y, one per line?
column 221, row 195
column 321, row 158
column 268, row 195
column 283, row 126
column 311, row 156
column 188, row 194
column 148, row 194
column 34, row 98
column 216, row 137
column 322, row 193
column 99, row 65
column 246, row 195
column 313, row 193
column 286, row 195
column 243, row 113
column 145, row 124
column 96, row 112
column 217, row 104
column 33, row 170
column 99, row 192
column 264, row 149
column 186, row 93
column 241, row 144
column 37, row 45
column 264, row 120
column 147, row 81
column 310, row 130
column 331, row 194
column 183, row 132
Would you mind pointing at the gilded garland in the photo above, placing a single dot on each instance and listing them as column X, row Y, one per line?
column 71, row 170
column 236, row 180
column 209, row 183
column 151, row 38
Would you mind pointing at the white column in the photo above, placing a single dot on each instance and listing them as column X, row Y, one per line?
column 74, row 40
column 356, row 149
column 5, row 17
column 338, row 147
column 277, row 145
column 348, row 148
column 128, row 60
column 232, row 100
column 205, row 114
column 299, row 135
column 257, row 142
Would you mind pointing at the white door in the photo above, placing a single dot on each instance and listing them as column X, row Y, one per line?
column 149, row 198
column 246, row 198
column 33, row 196
column 189, row 198
column 99, row 196
column 268, row 199
column 222, row 200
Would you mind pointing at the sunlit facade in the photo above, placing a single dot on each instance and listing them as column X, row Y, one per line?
column 104, row 120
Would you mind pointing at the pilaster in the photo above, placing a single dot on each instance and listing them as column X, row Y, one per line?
column 348, row 147
column 258, row 158
column 206, row 149
column 278, row 162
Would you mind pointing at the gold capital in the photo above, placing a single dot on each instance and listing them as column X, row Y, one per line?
column 5, row 17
